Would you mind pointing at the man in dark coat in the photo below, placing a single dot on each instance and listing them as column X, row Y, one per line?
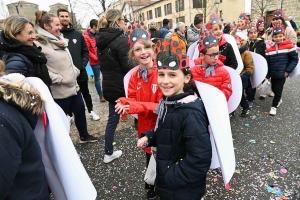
column 79, row 53
column 155, row 34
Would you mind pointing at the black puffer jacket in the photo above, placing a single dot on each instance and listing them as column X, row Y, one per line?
column 258, row 46
column 78, row 50
column 183, row 149
column 227, row 53
column 113, row 48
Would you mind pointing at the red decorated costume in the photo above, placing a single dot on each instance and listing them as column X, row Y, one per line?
column 215, row 75
column 143, row 94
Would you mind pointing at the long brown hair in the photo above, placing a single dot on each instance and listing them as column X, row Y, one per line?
column 43, row 17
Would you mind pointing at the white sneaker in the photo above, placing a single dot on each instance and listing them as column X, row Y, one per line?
column 109, row 158
column 94, row 116
column 71, row 120
column 273, row 111
column 280, row 102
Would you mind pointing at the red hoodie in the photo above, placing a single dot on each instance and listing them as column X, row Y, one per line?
column 221, row 79
column 143, row 98
column 91, row 44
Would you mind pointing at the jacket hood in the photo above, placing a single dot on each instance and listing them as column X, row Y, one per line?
column 106, row 35
column 18, row 93
column 194, row 29
column 88, row 32
column 66, row 29
column 243, row 47
column 285, row 44
column 222, row 41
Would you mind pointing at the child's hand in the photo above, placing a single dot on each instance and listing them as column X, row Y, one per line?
column 121, row 108
column 269, row 42
column 286, row 74
column 142, row 142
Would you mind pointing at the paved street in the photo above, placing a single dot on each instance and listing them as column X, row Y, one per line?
column 272, row 158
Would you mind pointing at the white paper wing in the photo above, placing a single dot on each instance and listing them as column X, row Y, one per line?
column 232, row 41
column 236, row 84
column 296, row 71
column 216, row 108
column 65, row 173
column 126, row 83
column 260, row 69
column 191, row 50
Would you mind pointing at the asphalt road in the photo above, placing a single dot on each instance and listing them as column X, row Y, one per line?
column 273, row 161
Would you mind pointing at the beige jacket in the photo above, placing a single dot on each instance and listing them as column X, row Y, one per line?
column 60, row 65
column 289, row 34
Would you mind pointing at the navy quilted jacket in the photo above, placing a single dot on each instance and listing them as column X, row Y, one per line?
column 183, row 149
column 281, row 58
column 18, row 63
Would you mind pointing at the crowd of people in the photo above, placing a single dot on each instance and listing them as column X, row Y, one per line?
column 161, row 88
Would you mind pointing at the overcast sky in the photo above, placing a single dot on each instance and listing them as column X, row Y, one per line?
column 82, row 11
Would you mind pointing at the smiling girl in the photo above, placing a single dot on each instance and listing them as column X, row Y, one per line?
column 143, row 91
column 181, row 132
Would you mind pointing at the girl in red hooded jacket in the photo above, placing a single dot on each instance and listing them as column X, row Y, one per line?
column 209, row 69
column 143, row 91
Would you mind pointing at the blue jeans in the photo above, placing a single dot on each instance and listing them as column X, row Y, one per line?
column 96, row 71
column 75, row 104
column 112, row 123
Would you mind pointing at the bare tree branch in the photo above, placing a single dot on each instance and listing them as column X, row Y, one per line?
column 207, row 9
column 260, row 7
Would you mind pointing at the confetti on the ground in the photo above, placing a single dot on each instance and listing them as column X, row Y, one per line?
column 252, row 141
column 272, row 142
column 278, row 118
column 253, row 117
column 247, row 125
column 114, row 143
column 275, row 190
column 283, row 170
column 266, row 113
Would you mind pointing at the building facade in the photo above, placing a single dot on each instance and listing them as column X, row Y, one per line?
column 185, row 11
column 24, row 8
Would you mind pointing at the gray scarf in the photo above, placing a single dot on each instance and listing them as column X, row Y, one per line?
column 210, row 70
column 160, row 110
column 143, row 72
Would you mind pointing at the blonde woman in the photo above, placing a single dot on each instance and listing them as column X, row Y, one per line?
column 112, row 46
column 63, row 73
column 22, row 55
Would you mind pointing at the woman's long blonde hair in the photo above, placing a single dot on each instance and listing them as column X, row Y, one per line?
column 111, row 17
